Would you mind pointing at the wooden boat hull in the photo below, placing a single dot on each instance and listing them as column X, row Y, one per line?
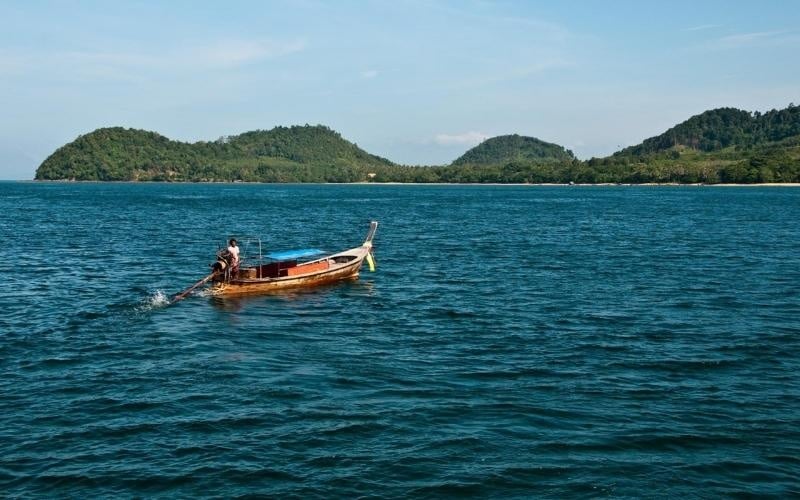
column 344, row 265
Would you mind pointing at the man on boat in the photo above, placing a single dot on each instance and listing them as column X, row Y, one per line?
column 233, row 250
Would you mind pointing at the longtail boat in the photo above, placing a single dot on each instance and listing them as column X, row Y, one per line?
column 259, row 273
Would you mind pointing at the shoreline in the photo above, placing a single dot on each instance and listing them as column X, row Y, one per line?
column 543, row 184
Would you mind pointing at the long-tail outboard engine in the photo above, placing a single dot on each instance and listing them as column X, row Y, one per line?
column 223, row 261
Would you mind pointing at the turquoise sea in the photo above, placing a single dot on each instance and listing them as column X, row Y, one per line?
column 515, row 341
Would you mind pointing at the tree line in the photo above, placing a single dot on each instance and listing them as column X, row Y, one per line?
column 725, row 145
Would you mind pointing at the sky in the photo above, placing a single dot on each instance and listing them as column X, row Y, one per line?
column 417, row 82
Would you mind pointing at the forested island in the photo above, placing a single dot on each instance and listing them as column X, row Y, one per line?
column 724, row 145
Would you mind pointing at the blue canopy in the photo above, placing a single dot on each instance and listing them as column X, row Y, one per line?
column 294, row 254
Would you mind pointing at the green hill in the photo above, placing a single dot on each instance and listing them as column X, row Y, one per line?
column 721, row 145
column 722, row 128
column 718, row 146
column 514, row 148
column 283, row 154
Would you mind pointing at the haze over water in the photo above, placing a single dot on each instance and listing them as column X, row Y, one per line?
column 515, row 341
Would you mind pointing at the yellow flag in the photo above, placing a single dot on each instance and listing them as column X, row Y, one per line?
column 371, row 262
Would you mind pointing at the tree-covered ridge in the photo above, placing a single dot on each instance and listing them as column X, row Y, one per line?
column 722, row 145
column 314, row 145
column 722, row 128
column 116, row 154
column 514, row 148
column 283, row 154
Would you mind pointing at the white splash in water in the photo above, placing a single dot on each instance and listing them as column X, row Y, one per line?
column 159, row 299
column 155, row 300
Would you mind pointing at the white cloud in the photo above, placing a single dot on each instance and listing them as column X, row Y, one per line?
column 703, row 27
column 517, row 73
column 370, row 73
column 549, row 31
column 108, row 64
column 470, row 138
column 490, row 13
column 754, row 39
column 238, row 52
column 11, row 63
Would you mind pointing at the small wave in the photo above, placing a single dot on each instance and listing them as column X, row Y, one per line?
column 185, row 197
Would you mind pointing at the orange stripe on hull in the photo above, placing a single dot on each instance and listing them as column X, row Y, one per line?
column 247, row 287
column 308, row 268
